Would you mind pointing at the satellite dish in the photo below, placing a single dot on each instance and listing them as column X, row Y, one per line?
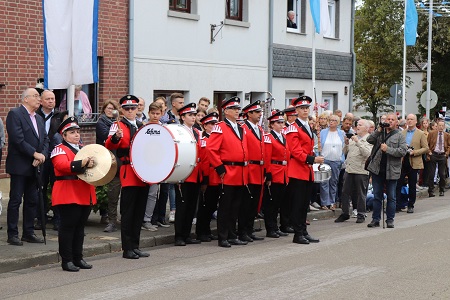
column 433, row 102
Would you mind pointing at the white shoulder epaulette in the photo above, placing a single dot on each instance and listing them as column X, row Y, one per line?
column 57, row 151
column 216, row 129
column 290, row 129
column 267, row 139
column 202, row 143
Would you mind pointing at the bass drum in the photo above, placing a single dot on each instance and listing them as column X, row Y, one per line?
column 163, row 153
column 321, row 172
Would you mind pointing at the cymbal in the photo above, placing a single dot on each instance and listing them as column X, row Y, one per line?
column 105, row 164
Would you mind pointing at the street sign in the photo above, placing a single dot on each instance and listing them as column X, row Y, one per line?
column 396, row 89
column 433, row 102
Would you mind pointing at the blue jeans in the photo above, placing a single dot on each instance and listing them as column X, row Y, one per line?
column 378, row 183
column 328, row 189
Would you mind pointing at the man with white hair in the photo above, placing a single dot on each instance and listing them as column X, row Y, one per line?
column 356, row 177
column 291, row 19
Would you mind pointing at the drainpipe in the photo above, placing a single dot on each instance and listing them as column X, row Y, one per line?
column 352, row 50
column 270, row 62
column 131, row 47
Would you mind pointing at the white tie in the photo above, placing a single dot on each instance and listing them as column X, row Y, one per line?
column 236, row 130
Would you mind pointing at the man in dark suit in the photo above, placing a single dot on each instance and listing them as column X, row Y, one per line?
column 27, row 149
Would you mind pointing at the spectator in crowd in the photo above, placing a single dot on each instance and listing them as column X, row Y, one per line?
column 72, row 196
column 402, row 124
column 371, row 126
column 291, row 20
column 338, row 113
column 200, row 114
column 140, row 116
column 356, row 177
column 102, row 127
column 433, row 126
column 27, row 149
column 81, row 105
column 425, row 127
column 439, row 148
column 412, row 162
column 385, row 168
column 203, row 104
column 323, row 120
column 332, row 143
column 163, row 102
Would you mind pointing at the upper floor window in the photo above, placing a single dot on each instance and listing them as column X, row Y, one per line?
column 295, row 16
column 234, row 9
column 333, row 12
column 180, row 5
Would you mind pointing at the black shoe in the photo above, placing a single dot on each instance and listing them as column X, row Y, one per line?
column 260, row 215
column 190, row 241
column 237, row 242
column 32, row 239
column 82, row 264
column 311, row 239
column 69, row 266
column 431, row 195
column 441, row 193
column 245, row 238
column 390, row 223
column 272, row 234
column 140, row 253
column 130, row 254
column 360, row 220
column 213, row 237
column 162, row 223
column 300, row 239
column 256, row 238
column 180, row 242
column 38, row 226
column 374, row 224
column 224, row 244
column 14, row 241
column 287, row 229
column 410, row 210
column 280, row 233
column 204, row 238
column 342, row 218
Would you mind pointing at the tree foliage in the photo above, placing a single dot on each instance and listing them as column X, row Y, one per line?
column 379, row 53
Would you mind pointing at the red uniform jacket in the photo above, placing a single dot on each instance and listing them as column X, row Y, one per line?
column 302, row 156
column 228, row 153
column 127, row 175
column 200, row 172
column 255, row 147
column 277, row 158
column 69, row 191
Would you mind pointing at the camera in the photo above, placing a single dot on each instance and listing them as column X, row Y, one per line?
column 349, row 135
column 410, row 149
column 384, row 125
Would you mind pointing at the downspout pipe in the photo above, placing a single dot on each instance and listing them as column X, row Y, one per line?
column 352, row 51
column 131, row 47
column 270, row 61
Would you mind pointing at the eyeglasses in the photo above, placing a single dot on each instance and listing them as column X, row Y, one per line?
column 331, row 120
column 128, row 108
column 35, row 96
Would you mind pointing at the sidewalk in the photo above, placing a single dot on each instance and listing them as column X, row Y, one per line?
column 98, row 242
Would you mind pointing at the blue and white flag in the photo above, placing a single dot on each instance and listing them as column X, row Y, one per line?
column 320, row 16
column 70, row 42
column 411, row 23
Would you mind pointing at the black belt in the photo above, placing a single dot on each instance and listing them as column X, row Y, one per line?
column 438, row 153
column 235, row 163
column 279, row 162
column 68, row 177
column 256, row 162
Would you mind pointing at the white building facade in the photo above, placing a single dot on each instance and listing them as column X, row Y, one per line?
column 223, row 48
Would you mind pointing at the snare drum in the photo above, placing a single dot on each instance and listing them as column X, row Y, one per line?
column 322, row 172
column 163, row 153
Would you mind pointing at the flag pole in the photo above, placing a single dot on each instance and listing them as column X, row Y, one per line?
column 404, row 66
column 70, row 99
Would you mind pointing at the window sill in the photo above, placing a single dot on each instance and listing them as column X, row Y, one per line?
column 294, row 31
column 236, row 23
column 181, row 15
column 331, row 38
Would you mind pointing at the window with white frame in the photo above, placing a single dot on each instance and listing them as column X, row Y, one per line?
column 333, row 12
column 295, row 16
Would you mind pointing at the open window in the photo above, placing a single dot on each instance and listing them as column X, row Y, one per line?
column 295, row 16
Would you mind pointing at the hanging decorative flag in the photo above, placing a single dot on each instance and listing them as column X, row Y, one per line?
column 411, row 23
column 70, row 42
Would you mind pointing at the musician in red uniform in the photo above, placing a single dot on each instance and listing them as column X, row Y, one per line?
column 300, row 172
column 209, row 199
column 133, row 196
column 228, row 154
column 186, row 193
column 276, row 156
column 255, row 145
column 291, row 115
column 72, row 197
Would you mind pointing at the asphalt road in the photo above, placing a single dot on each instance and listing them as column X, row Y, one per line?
column 352, row 261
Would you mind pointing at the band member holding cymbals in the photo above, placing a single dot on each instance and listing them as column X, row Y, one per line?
column 133, row 197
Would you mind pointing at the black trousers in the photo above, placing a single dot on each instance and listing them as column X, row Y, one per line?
column 441, row 162
column 159, row 213
column 186, row 195
column 71, row 231
column 47, row 176
column 275, row 201
column 249, row 209
column 206, row 207
column 355, row 187
column 133, row 201
column 227, row 214
column 113, row 198
column 299, row 193
column 22, row 186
